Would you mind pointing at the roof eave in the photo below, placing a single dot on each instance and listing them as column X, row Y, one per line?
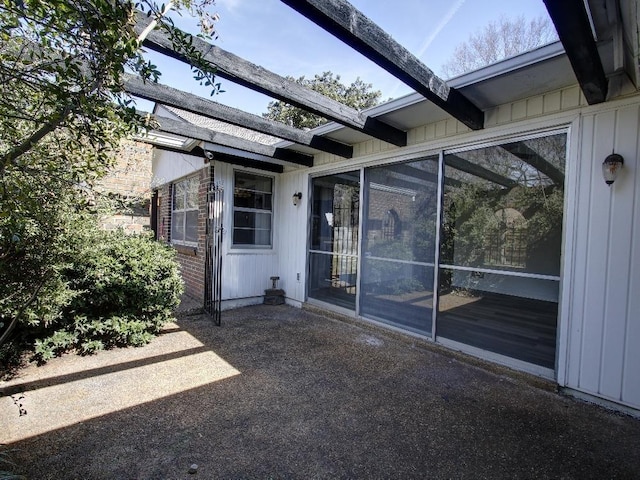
column 497, row 69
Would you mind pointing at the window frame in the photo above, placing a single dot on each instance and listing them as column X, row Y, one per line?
column 234, row 209
column 187, row 181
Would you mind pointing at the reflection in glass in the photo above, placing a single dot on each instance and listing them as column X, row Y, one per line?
column 399, row 244
column 177, row 226
column 335, row 219
column 501, row 243
column 252, row 209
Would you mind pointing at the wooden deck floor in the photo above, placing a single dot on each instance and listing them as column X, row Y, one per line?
column 520, row 328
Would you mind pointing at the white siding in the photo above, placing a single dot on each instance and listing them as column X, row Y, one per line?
column 246, row 271
column 246, row 274
column 169, row 166
column 603, row 357
column 292, row 233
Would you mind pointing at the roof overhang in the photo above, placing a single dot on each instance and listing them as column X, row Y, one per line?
column 541, row 70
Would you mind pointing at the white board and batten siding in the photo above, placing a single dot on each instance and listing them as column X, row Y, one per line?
column 245, row 271
column 603, row 324
column 292, row 234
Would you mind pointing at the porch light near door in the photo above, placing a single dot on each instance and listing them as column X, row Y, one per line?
column 611, row 166
column 296, row 198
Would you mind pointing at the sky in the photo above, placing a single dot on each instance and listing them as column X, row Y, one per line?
column 274, row 36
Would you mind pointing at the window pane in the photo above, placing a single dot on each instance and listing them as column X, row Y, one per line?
column 252, row 220
column 400, row 237
column 191, row 234
column 398, row 293
column 178, row 195
column 503, row 206
column 177, row 226
column 249, row 181
column 401, row 211
column 249, row 199
column 335, row 213
column 252, row 192
column 511, row 316
column 247, row 236
column 192, row 192
column 333, row 279
column 502, row 228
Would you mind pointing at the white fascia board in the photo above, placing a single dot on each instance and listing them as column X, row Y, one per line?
column 497, row 69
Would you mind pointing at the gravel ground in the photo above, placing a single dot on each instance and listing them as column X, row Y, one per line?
column 279, row 392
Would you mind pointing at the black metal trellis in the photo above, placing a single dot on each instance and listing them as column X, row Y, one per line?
column 213, row 262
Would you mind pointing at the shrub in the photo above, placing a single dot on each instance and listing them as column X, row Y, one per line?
column 124, row 288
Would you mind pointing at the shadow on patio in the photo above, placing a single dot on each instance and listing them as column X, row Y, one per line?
column 278, row 392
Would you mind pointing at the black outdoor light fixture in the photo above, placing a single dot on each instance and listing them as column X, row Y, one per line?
column 611, row 166
column 296, row 198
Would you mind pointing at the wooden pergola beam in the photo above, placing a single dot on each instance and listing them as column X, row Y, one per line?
column 174, row 97
column 348, row 24
column 574, row 30
column 189, row 130
column 247, row 74
column 247, row 162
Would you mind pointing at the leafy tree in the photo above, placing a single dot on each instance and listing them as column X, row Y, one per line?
column 63, row 111
column 358, row 95
column 499, row 40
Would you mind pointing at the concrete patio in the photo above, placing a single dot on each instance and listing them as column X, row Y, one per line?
column 278, row 392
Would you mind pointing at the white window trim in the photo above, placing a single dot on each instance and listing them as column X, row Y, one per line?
column 185, row 210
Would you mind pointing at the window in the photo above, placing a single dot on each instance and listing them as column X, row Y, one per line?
column 184, row 212
column 252, row 210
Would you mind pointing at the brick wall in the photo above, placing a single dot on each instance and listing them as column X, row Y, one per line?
column 191, row 259
column 128, row 182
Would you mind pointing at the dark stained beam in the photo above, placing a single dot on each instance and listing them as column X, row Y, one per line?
column 247, row 74
column 247, row 162
column 478, row 171
column 189, row 130
column 348, row 24
column 533, row 158
column 574, row 30
column 174, row 97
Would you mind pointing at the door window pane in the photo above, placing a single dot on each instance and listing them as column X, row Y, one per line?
column 500, row 211
column 333, row 265
column 399, row 244
column 500, row 248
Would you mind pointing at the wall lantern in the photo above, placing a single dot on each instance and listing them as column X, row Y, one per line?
column 296, row 198
column 611, row 166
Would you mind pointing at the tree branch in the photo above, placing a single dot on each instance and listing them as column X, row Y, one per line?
column 14, row 320
column 12, row 155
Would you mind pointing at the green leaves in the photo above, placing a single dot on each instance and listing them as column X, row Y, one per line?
column 123, row 288
column 358, row 95
column 63, row 113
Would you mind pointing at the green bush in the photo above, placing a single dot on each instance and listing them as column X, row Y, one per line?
column 123, row 289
